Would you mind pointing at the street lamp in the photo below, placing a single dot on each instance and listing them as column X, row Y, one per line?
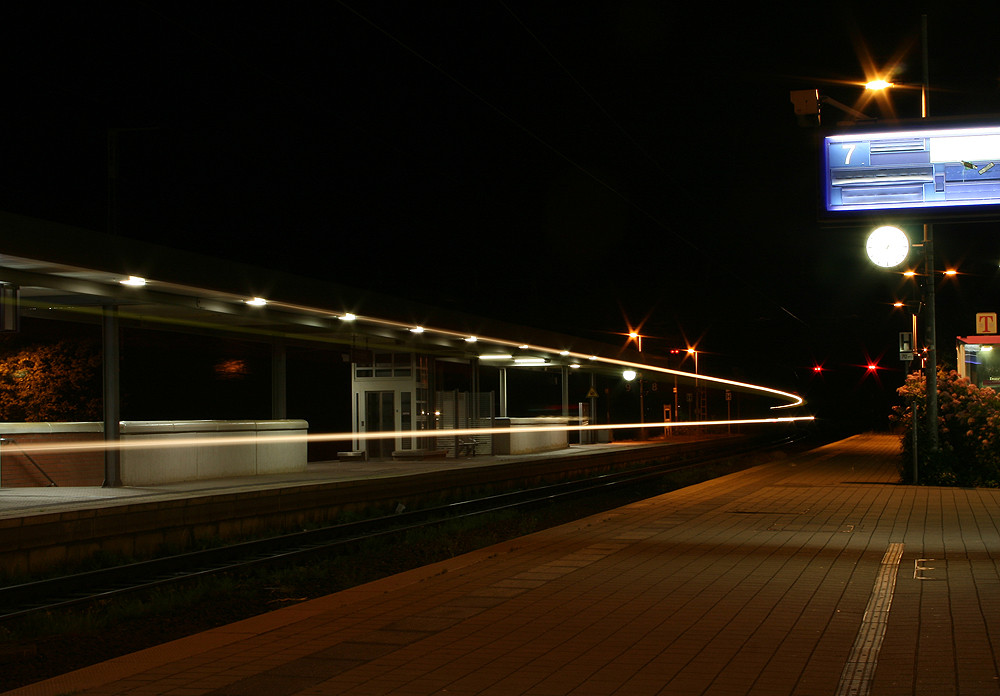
column 930, row 326
column 807, row 106
column 888, row 247
column 700, row 397
column 881, row 85
column 876, row 85
column 692, row 351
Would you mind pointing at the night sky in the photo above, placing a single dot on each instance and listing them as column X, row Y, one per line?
column 579, row 166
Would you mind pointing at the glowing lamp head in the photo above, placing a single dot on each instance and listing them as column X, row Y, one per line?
column 629, row 375
column 876, row 85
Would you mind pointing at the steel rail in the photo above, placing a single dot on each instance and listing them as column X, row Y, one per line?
column 80, row 589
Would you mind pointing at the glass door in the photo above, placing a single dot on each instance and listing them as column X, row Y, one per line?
column 380, row 416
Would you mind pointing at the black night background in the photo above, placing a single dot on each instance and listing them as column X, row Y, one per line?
column 585, row 167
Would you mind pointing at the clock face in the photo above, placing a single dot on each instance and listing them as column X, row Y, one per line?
column 887, row 246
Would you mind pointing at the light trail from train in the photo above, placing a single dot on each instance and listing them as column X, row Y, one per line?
column 248, row 440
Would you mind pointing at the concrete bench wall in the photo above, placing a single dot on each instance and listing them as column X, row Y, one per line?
column 523, row 440
column 197, row 450
column 210, row 449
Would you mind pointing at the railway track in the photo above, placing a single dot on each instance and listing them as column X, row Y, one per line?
column 89, row 588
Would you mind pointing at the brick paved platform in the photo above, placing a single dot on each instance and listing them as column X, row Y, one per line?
column 815, row 575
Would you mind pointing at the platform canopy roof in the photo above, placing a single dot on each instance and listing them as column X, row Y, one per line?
column 68, row 273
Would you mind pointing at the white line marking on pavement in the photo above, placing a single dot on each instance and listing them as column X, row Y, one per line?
column 860, row 668
column 919, row 566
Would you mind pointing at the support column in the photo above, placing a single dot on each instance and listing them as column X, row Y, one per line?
column 474, row 393
column 503, row 392
column 112, row 402
column 279, row 380
column 565, row 391
column 592, row 415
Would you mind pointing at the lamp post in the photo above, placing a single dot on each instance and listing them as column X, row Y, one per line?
column 930, row 342
column 930, row 325
column 913, row 352
column 888, row 247
column 807, row 105
column 699, row 412
column 676, row 414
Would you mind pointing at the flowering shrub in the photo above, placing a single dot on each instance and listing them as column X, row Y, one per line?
column 968, row 451
column 58, row 382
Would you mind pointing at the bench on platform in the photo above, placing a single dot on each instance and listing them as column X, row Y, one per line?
column 351, row 455
column 467, row 447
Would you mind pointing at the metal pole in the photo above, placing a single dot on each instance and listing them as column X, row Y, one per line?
column 565, row 391
column 913, row 425
column 474, row 362
column 913, row 404
column 930, row 340
column 729, row 412
column 925, row 99
column 931, row 328
column 592, row 412
column 112, row 406
column 503, row 392
column 642, row 411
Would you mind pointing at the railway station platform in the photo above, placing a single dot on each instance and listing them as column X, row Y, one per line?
column 815, row 574
column 20, row 502
column 54, row 528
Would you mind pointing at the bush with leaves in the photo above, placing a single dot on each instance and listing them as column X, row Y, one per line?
column 968, row 451
column 53, row 382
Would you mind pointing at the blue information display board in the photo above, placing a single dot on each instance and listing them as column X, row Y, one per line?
column 920, row 168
